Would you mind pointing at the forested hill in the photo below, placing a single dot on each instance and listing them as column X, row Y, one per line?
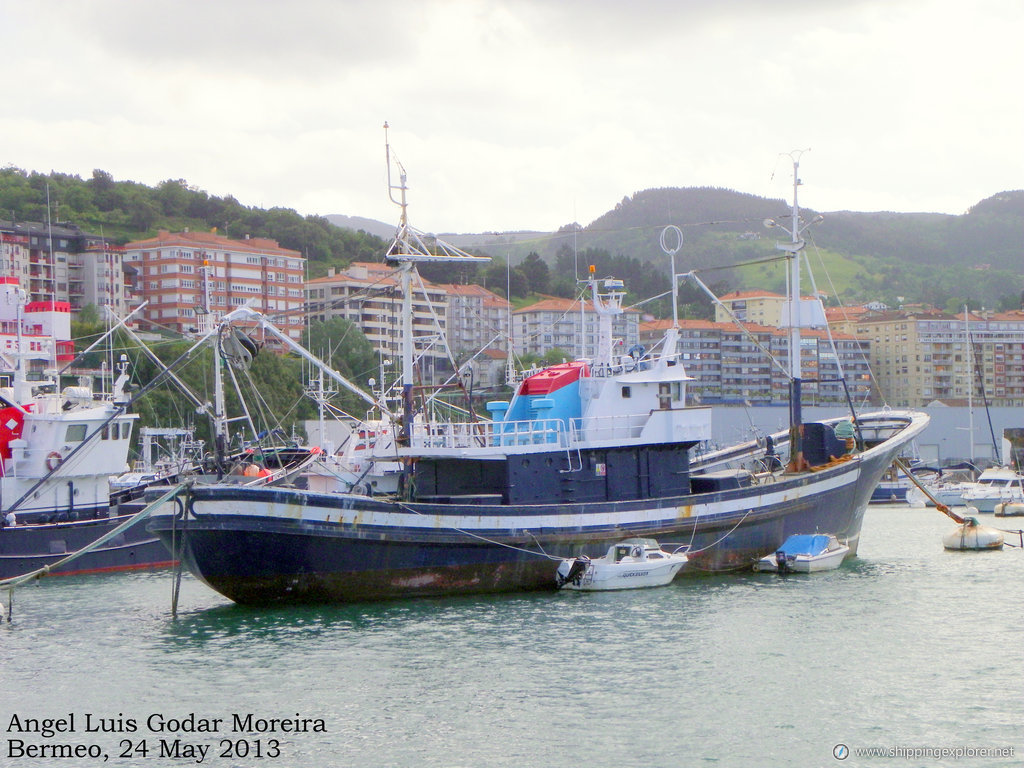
column 989, row 235
column 943, row 260
column 125, row 210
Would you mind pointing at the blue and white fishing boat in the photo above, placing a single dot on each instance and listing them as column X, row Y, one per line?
column 583, row 455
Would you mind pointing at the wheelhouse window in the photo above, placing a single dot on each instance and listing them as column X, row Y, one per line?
column 75, row 433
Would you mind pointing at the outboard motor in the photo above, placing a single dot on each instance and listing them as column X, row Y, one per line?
column 782, row 562
column 576, row 571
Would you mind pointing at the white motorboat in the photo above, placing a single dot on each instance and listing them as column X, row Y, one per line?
column 630, row 564
column 805, row 553
column 972, row 535
column 995, row 485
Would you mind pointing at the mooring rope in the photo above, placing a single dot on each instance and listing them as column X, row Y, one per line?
column 544, row 554
column 10, row 584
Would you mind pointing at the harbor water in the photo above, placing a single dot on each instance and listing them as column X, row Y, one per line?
column 908, row 655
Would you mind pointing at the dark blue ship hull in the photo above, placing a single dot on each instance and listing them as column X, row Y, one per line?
column 29, row 546
column 285, row 556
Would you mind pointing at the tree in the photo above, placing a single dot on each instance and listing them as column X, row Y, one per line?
column 173, row 196
column 537, row 273
column 340, row 343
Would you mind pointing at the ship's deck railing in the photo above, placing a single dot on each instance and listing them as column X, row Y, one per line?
column 602, row 428
column 553, row 433
column 490, row 434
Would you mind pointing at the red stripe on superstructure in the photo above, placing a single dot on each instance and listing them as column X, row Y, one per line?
column 555, row 377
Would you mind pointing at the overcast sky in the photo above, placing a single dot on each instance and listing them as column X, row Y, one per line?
column 522, row 114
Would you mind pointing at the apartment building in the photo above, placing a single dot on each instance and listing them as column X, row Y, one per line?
column 761, row 307
column 923, row 355
column 370, row 296
column 555, row 323
column 191, row 279
column 61, row 263
column 845, row 319
column 477, row 319
column 731, row 365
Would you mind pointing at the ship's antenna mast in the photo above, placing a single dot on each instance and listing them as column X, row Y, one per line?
column 793, row 248
column 400, row 248
column 410, row 246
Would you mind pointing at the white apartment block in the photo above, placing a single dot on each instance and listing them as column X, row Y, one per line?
column 921, row 356
column 731, row 365
column 370, row 296
column 61, row 263
column 556, row 323
column 477, row 319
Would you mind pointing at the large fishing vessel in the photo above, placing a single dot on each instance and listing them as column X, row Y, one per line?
column 585, row 454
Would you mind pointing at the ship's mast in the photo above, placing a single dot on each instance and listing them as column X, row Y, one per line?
column 796, row 382
column 793, row 314
column 607, row 306
column 409, row 247
column 970, row 384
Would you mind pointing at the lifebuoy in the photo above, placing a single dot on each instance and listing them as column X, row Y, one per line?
column 637, row 552
column 53, row 460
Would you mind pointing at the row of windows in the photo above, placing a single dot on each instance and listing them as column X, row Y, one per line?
column 117, row 430
column 223, row 256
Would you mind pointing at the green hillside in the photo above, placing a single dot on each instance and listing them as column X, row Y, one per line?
column 943, row 260
column 123, row 211
column 976, row 258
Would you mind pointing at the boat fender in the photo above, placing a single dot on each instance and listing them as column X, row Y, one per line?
column 53, row 460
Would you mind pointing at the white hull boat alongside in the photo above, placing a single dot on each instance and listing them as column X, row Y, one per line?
column 630, row 564
column 804, row 553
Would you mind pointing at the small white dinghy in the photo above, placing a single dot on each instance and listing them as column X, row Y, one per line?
column 630, row 564
column 972, row 535
column 805, row 553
